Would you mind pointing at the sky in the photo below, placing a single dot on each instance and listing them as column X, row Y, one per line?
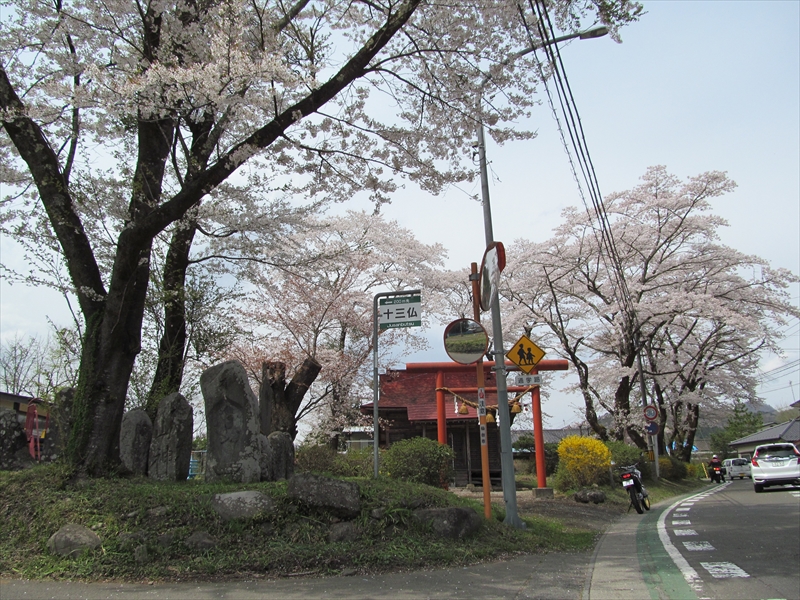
column 694, row 86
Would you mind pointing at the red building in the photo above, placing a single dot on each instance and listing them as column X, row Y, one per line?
column 407, row 407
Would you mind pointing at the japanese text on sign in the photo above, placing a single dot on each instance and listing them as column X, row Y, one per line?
column 400, row 311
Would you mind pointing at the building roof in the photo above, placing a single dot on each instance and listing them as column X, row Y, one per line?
column 416, row 393
column 784, row 432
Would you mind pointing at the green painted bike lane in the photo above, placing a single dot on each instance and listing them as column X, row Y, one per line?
column 663, row 578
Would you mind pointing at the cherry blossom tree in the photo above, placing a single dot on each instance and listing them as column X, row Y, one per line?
column 703, row 312
column 126, row 124
column 321, row 309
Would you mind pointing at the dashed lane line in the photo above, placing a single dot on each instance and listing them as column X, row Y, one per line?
column 723, row 570
column 683, row 506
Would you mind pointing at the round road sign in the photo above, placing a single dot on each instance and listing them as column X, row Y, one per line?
column 650, row 412
column 651, row 428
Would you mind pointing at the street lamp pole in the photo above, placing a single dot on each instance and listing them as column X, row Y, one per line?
column 504, row 417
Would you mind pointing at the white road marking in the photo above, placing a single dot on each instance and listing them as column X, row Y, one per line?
column 684, row 532
column 698, row 546
column 723, row 570
column 689, row 574
column 681, row 522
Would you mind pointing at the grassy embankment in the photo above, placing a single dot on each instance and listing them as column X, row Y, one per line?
column 35, row 503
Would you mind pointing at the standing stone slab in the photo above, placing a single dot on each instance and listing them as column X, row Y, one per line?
column 171, row 447
column 281, row 455
column 234, row 447
column 135, row 436
column 12, row 440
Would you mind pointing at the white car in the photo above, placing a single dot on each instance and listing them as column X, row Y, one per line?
column 736, row 467
column 775, row 464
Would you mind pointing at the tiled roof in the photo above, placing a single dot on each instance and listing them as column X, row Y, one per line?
column 786, row 432
column 416, row 392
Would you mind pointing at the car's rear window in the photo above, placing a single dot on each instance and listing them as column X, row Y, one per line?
column 775, row 452
column 739, row 462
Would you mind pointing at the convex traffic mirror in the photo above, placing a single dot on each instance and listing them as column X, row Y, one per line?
column 465, row 341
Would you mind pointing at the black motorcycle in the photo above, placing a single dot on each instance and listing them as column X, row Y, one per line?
column 717, row 474
column 632, row 481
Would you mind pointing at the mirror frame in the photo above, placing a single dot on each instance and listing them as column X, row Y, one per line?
column 465, row 358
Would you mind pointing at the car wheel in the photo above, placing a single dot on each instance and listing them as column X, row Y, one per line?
column 758, row 488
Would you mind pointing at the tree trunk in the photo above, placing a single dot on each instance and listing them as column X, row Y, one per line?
column 172, row 347
column 279, row 402
column 692, row 419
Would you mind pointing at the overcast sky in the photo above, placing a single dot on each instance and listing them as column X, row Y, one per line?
column 695, row 86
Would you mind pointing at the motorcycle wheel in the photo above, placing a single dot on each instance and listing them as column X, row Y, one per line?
column 635, row 500
column 646, row 503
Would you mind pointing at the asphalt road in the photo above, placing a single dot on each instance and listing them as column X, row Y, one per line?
column 727, row 543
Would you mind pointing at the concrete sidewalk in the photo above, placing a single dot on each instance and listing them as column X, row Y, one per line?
column 612, row 571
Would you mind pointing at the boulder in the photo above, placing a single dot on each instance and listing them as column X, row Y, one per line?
column 171, row 446
column 241, row 505
column 453, row 522
column 72, row 540
column 590, row 495
column 135, row 436
column 346, row 531
column 234, row 447
column 200, row 540
column 341, row 498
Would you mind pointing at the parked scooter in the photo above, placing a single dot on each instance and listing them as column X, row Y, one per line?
column 632, row 481
column 717, row 474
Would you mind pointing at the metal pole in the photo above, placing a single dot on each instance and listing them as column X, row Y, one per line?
column 506, row 456
column 652, row 443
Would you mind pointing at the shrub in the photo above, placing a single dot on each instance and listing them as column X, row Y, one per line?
column 418, row 460
column 354, row 463
column 671, row 468
column 695, row 471
column 312, row 458
column 586, row 460
column 664, row 467
column 550, row 458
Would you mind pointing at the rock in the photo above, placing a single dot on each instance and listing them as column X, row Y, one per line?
column 281, row 456
column 156, row 512
column 200, row 540
column 234, row 449
column 453, row 522
column 165, row 539
column 72, row 540
column 241, row 505
column 140, row 554
column 171, row 446
column 340, row 498
column 590, row 495
column 135, row 436
column 344, row 532
column 130, row 540
column 12, row 440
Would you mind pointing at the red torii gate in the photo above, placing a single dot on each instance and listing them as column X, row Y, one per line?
column 441, row 367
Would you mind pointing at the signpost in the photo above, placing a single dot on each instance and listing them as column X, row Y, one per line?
column 651, row 428
column 397, row 309
column 650, row 412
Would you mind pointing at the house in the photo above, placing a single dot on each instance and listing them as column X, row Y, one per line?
column 408, row 408
column 784, row 432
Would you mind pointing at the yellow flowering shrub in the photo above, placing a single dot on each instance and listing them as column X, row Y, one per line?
column 585, row 460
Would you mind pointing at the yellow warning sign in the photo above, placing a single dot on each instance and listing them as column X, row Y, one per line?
column 525, row 354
